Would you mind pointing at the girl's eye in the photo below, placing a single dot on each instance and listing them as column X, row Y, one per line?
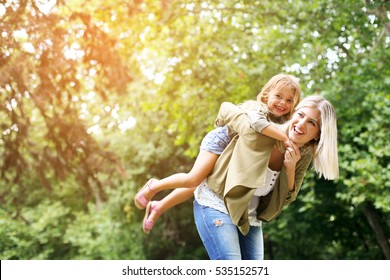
column 312, row 123
column 300, row 114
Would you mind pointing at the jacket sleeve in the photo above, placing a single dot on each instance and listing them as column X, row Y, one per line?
column 300, row 173
column 272, row 204
column 258, row 119
column 234, row 118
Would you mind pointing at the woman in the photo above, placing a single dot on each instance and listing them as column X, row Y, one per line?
column 240, row 193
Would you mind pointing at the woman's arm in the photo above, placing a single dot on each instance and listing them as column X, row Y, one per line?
column 293, row 183
column 286, row 189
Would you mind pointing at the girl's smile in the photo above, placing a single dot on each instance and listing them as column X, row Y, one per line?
column 280, row 101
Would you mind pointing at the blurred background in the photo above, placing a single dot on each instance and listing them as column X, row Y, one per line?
column 98, row 96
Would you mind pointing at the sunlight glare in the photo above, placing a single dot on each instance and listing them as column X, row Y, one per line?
column 127, row 124
column 96, row 119
column 95, row 129
column 28, row 47
column 2, row 10
column 74, row 52
column 332, row 57
column 159, row 78
column 114, row 112
column 45, row 6
column 190, row 7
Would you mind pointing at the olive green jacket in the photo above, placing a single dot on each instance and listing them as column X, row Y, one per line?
column 241, row 169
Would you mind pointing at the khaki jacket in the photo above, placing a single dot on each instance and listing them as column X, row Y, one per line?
column 241, row 169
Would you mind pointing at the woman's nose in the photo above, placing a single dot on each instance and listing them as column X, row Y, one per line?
column 301, row 122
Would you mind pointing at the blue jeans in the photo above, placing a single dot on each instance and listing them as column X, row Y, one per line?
column 223, row 240
column 216, row 140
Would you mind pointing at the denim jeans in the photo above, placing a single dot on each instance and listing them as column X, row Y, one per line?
column 216, row 140
column 223, row 240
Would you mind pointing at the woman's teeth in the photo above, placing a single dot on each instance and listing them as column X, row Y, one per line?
column 297, row 130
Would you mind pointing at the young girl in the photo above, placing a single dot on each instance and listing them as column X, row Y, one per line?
column 275, row 102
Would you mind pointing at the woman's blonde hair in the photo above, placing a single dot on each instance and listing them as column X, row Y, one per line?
column 325, row 157
column 281, row 81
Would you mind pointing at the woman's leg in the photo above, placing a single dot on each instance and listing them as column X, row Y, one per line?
column 219, row 235
column 252, row 244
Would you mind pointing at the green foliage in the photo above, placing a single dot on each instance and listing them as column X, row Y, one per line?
column 177, row 235
column 320, row 226
column 38, row 236
column 98, row 235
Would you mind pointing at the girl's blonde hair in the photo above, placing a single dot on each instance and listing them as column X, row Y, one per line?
column 325, row 153
column 281, row 81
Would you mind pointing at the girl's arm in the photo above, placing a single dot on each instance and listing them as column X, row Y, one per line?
column 242, row 121
column 273, row 132
column 259, row 121
column 234, row 118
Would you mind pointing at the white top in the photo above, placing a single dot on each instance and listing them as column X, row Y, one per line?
column 206, row 197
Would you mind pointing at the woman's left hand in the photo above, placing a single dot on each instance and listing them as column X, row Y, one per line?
column 291, row 156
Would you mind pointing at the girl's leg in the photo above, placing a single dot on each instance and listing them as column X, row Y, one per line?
column 211, row 147
column 203, row 165
column 219, row 235
column 252, row 244
column 157, row 208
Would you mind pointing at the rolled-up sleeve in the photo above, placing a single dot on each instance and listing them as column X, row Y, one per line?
column 234, row 118
column 258, row 119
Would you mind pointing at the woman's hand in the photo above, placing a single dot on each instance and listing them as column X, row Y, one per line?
column 291, row 156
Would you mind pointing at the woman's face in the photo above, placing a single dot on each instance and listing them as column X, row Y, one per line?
column 305, row 126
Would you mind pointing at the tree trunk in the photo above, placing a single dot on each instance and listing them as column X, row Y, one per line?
column 375, row 222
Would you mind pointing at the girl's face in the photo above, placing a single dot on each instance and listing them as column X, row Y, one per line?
column 280, row 101
column 305, row 126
